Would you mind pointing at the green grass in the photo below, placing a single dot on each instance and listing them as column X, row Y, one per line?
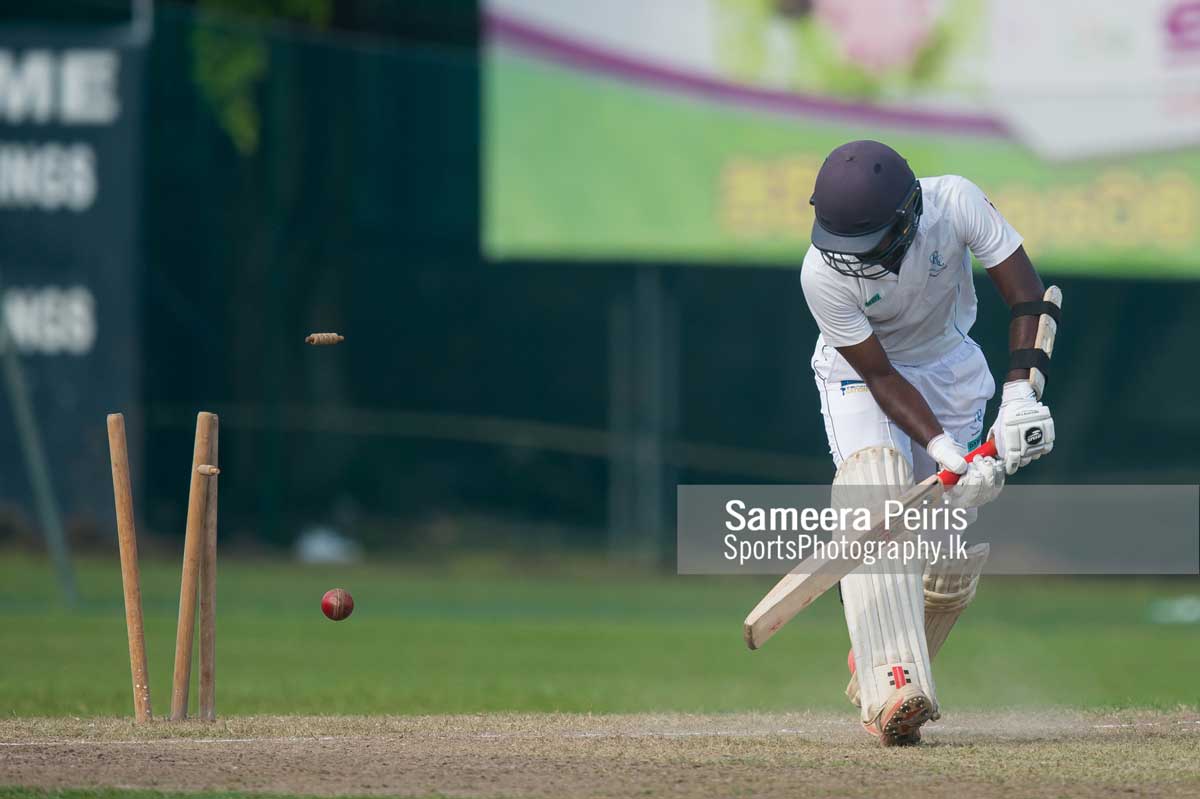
column 463, row 640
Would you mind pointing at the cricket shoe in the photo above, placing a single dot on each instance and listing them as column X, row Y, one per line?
column 852, row 692
column 898, row 722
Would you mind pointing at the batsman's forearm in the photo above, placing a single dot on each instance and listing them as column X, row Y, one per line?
column 905, row 406
column 1022, row 334
column 1018, row 282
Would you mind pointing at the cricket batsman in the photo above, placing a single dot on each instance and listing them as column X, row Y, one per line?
column 903, row 390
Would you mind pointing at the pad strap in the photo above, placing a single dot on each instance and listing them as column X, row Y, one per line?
column 1037, row 308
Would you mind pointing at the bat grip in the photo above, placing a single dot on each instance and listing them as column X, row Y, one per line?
column 986, row 450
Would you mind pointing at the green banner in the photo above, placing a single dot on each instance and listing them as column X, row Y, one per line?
column 595, row 155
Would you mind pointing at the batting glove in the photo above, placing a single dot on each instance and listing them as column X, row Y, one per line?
column 981, row 483
column 947, row 453
column 1024, row 429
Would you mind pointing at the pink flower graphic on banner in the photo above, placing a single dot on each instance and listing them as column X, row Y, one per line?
column 879, row 35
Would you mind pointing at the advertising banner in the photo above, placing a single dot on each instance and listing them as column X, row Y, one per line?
column 692, row 130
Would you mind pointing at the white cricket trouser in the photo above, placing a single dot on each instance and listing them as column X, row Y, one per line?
column 957, row 387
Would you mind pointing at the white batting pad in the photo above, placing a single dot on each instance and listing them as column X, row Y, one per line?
column 884, row 606
column 881, row 468
column 949, row 587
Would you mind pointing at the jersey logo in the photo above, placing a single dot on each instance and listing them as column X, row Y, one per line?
column 874, row 300
column 937, row 266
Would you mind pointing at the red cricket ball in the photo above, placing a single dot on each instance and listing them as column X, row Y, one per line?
column 337, row 604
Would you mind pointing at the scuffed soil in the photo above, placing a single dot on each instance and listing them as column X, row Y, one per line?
column 984, row 755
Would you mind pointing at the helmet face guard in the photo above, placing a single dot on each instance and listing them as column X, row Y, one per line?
column 885, row 248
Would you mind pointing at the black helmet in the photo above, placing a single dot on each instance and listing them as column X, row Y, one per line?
column 868, row 203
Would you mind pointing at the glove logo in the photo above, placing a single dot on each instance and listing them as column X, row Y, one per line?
column 1033, row 436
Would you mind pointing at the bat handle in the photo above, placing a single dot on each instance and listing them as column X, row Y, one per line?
column 986, row 450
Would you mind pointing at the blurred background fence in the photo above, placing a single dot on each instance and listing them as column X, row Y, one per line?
column 304, row 166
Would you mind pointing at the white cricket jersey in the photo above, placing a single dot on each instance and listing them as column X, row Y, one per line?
column 928, row 309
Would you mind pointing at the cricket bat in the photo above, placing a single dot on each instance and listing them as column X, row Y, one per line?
column 816, row 575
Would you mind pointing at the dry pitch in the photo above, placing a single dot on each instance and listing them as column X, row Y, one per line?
column 1018, row 754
